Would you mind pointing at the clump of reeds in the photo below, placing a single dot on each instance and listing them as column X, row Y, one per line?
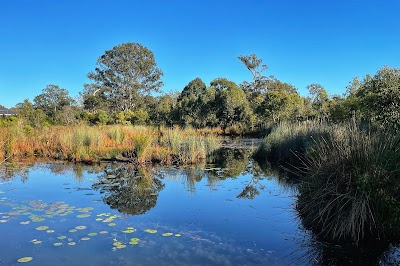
column 351, row 186
column 142, row 142
column 289, row 140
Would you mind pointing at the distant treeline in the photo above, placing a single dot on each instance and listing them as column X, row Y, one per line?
column 126, row 77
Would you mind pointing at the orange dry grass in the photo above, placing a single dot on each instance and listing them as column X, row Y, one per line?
column 85, row 143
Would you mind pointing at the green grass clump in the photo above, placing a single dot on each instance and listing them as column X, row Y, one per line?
column 351, row 188
column 289, row 140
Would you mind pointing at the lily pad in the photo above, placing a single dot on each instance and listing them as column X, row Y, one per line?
column 3, row 221
column 167, row 234
column 71, row 243
column 85, row 238
column 26, row 222
column 178, row 235
column 73, row 230
column 50, row 231
column 103, row 232
column 57, row 244
column 150, row 231
column 129, row 231
column 80, row 227
column 62, row 237
column 112, row 224
column 25, row 259
column 92, row 234
column 83, row 215
column 42, row 228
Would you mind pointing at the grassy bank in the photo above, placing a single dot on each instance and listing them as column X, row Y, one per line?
column 94, row 143
column 350, row 186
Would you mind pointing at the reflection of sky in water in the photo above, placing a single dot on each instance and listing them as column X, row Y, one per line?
column 216, row 227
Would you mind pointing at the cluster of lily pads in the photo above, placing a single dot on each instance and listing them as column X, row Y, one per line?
column 36, row 211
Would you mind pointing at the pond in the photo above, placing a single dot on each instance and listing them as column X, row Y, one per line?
column 229, row 213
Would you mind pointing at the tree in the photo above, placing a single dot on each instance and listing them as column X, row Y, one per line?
column 253, row 64
column 320, row 99
column 190, row 102
column 379, row 96
column 52, row 100
column 123, row 76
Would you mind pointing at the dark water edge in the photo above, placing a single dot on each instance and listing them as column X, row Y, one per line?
column 233, row 212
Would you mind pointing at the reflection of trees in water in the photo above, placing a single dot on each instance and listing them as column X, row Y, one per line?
column 129, row 189
column 11, row 170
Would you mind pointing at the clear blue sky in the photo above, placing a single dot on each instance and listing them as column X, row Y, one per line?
column 321, row 41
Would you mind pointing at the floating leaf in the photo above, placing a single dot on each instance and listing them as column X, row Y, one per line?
column 37, row 242
column 57, row 244
column 36, row 220
column 129, row 231
column 62, row 237
column 103, row 232
column 3, row 221
column 85, row 238
column 121, row 246
column 26, row 222
column 42, row 228
column 73, row 230
column 80, row 227
column 71, row 243
column 50, row 231
column 150, row 231
column 25, row 259
column 92, row 234
column 167, row 234
column 112, row 224
column 83, row 215
column 178, row 235
column 99, row 219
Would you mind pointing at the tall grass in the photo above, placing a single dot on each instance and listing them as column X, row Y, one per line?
column 287, row 141
column 350, row 177
column 352, row 184
column 86, row 143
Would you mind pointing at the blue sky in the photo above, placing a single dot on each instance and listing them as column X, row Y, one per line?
column 303, row 42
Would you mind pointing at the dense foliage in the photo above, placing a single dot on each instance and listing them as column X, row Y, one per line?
column 127, row 76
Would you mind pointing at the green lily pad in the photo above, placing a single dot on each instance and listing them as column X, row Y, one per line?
column 62, row 237
column 99, row 219
column 73, row 230
column 92, row 234
column 129, row 231
column 80, row 227
column 112, row 224
column 85, row 238
column 25, row 259
column 134, row 239
column 167, row 234
column 71, row 243
column 57, row 244
column 42, row 228
column 103, row 232
column 50, row 231
column 178, row 235
column 150, row 231
column 121, row 246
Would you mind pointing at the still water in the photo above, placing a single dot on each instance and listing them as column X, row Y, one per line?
column 229, row 213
